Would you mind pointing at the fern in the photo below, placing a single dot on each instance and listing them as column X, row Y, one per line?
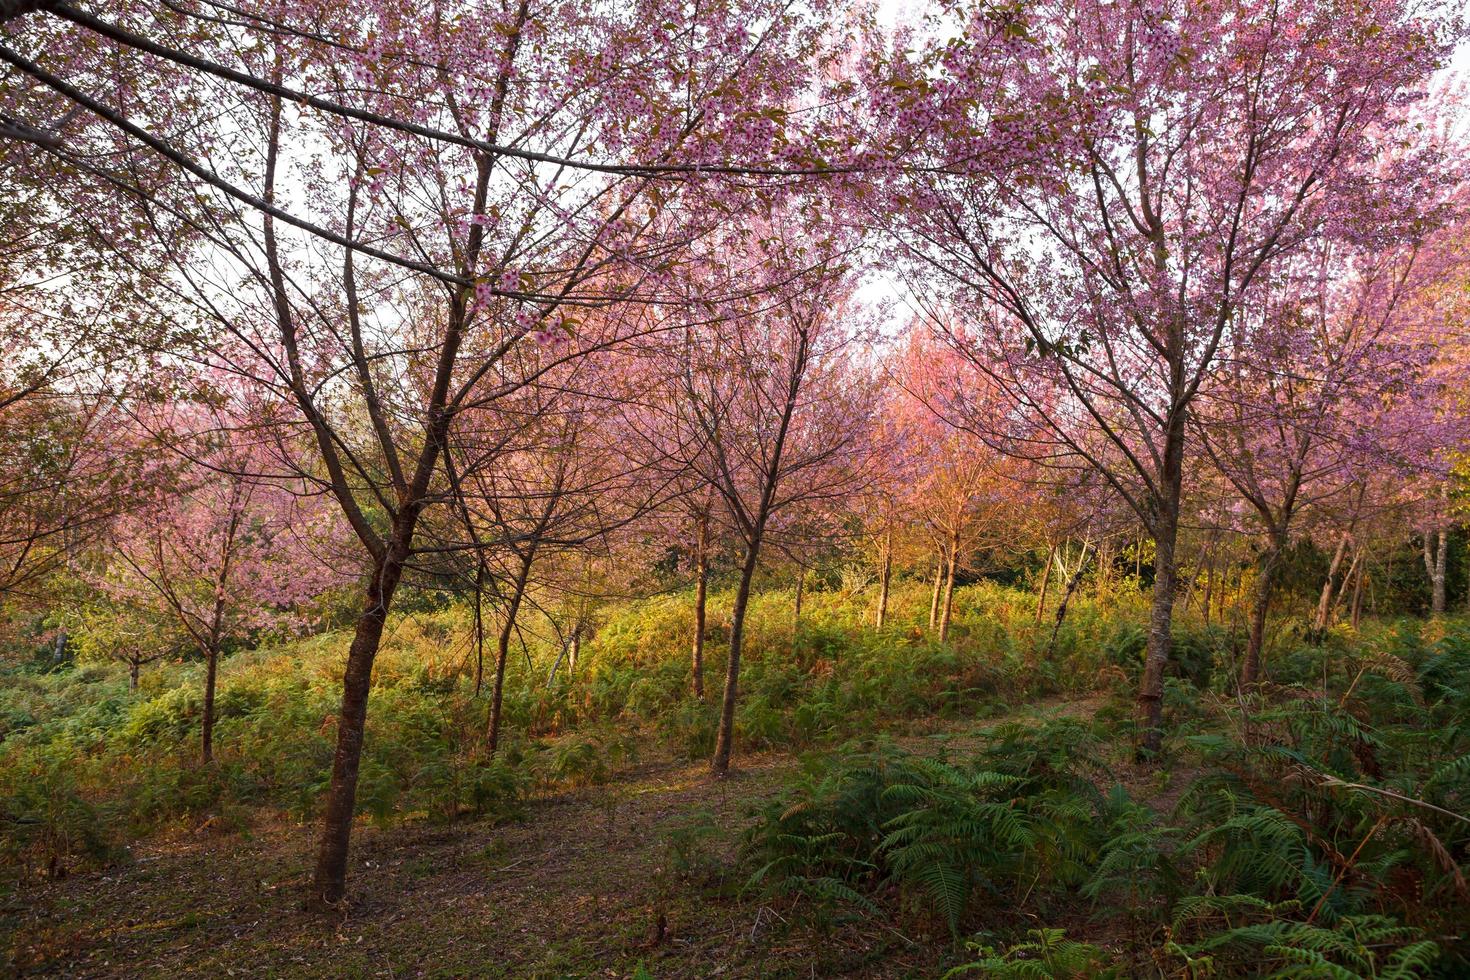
column 1356, row 948
column 1456, row 771
column 942, row 832
column 1136, row 861
column 1049, row 955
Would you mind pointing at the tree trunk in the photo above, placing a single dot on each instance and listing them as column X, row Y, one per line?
column 1342, row 588
column 132, row 676
column 1324, row 602
column 934, row 599
column 523, row 576
column 479, row 627
column 213, row 637
column 701, row 586
column 1437, row 596
column 725, row 738
column 946, row 610
column 1358, row 593
column 1051, row 555
column 1209, row 588
column 502, row 654
column 885, row 578
column 1074, row 580
column 1250, row 670
column 1441, row 556
column 330, row 880
column 1434, row 565
column 1165, row 529
column 796, row 614
column 206, row 738
column 1222, row 594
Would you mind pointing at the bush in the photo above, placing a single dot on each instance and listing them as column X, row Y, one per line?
column 47, row 823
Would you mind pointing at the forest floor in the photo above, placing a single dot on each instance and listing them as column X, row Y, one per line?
column 583, row 885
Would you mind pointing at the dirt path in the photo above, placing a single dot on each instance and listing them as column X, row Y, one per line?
column 583, row 886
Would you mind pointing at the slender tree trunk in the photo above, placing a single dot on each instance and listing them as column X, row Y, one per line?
column 1222, row 595
column 796, row 613
column 329, row 881
column 479, row 627
column 947, row 609
column 1436, row 552
column 1324, row 602
column 1161, row 613
column 725, row 738
column 934, row 598
column 523, row 576
column 502, row 653
column 701, row 586
column 1343, row 587
column 206, row 736
column 1437, row 602
column 885, row 578
column 1209, row 588
column 1437, row 596
column 1250, row 670
column 132, row 676
column 1051, row 555
column 1203, row 568
column 1358, row 593
column 1073, row 581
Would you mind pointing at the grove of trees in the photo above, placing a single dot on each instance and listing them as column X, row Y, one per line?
column 316, row 314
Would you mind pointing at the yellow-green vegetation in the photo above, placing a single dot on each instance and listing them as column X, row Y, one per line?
column 86, row 765
column 1314, row 828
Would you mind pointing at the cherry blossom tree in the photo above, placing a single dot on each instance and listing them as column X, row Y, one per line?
column 225, row 547
column 1330, row 385
column 773, row 417
column 968, row 495
column 65, row 475
column 485, row 176
column 1108, row 185
column 564, row 489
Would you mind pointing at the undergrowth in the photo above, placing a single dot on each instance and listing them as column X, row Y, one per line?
column 87, row 766
column 1319, row 829
column 1314, row 828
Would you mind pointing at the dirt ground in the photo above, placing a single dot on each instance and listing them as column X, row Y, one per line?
column 585, row 884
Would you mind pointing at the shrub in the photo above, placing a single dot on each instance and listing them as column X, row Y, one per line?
column 47, row 823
